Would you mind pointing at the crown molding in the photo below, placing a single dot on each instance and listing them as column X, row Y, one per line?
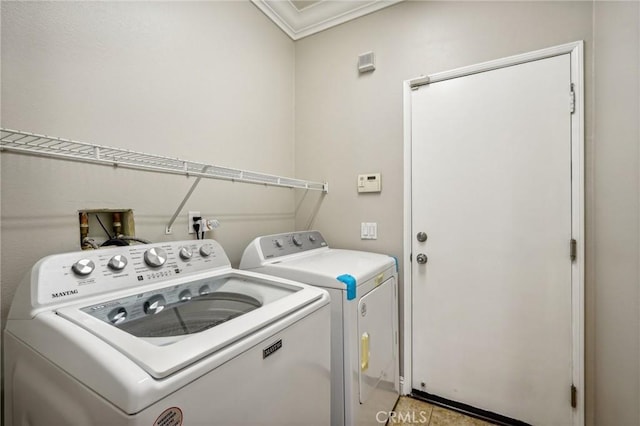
column 318, row 16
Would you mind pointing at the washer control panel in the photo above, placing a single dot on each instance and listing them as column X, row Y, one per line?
column 153, row 301
column 278, row 245
column 72, row 275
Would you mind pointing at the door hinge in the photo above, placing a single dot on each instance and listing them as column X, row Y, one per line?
column 573, row 249
column 572, row 99
column 574, row 396
column 410, row 257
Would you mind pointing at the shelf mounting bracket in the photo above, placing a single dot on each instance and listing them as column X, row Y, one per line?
column 168, row 229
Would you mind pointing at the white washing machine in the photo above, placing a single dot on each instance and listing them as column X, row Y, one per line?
column 364, row 317
column 164, row 334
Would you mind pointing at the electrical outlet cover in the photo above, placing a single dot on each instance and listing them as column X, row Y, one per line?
column 190, row 221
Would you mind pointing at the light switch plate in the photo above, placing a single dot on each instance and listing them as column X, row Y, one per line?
column 368, row 231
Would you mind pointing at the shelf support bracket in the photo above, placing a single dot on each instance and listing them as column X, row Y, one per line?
column 168, row 229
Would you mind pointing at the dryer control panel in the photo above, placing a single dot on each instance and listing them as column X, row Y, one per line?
column 279, row 245
column 63, row 277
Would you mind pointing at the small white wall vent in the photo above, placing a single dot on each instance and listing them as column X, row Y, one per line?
column 366, row 62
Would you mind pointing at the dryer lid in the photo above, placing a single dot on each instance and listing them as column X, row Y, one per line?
column 322, row 268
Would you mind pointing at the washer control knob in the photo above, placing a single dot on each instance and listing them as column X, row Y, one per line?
column 185, row 253
column 154, row 305
column 278, row 243
column 297, row 241
column 155, row 257
column 312, row 238
column 117, row 315
column 117, row 262
column 205, row 289
column 83, row 267
column 205, row 251
column 184, row 295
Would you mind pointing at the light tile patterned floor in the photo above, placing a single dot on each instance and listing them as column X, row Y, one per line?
column 411, row 411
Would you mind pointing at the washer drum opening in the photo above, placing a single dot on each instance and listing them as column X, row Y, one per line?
column 193, row 316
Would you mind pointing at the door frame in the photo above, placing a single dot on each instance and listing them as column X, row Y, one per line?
column 576, row 52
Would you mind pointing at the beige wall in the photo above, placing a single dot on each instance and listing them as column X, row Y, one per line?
column 348, row 124
column 613, row 222
column 207, row 81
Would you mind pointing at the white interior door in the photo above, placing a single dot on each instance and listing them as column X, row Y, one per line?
column 491, row 188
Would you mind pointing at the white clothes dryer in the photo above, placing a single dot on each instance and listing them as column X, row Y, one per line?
column 364, row 317
column 164, row 334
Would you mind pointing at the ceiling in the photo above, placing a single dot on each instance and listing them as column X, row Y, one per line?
column 301, row 18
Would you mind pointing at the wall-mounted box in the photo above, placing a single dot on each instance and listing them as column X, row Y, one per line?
column 371, row 182
column 366, row 62
column 116, row 223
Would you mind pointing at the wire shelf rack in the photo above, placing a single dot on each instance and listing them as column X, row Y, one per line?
column 48, row 146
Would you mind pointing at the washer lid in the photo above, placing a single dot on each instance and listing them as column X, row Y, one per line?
column 323, row 267
column 163, row 334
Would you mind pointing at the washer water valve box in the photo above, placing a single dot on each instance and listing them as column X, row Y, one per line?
column 102, row 225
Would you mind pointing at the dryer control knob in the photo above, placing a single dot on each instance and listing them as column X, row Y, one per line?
column 117, row 315
column 154, row 305
column 205, row 289
column 205, row 251
column 117, row 262
column 83, row 267
column 312, row 238
column 185, row 253
column 278, row 243
column 297, row 241
column 155, row 257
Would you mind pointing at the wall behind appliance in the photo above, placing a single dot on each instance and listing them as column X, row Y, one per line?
column 348, row 124
column 204, row 81
column 613, row 225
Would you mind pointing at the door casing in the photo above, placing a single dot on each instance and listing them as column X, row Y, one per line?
column 576, row 52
